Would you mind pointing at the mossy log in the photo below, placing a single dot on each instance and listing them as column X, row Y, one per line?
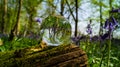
column 60, row 56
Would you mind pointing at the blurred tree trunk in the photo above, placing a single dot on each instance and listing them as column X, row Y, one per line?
column 100, row 32
column 31, row 9
column 14, row 30
column 1, row 15
column 62, row 7
column 101, row 24
column 110, row 3
column 52, row 7
column 18, row 17
column 4, row 15
column 32, row 12
column 76, row 20
column 110, row 33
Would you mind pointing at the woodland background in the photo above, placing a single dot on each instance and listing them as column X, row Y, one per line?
column 25, row 23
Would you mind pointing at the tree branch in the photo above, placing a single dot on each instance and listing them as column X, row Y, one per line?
column 70, row 10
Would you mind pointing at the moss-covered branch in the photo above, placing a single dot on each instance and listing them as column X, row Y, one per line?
column 49, row 56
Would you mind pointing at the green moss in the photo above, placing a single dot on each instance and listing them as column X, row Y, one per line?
column 25, row 57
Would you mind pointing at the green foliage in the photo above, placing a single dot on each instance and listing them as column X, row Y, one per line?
column 96, row 2
column 17, row 43
column 97, row 54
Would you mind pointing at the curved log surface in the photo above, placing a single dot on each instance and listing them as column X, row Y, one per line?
column 60, row 56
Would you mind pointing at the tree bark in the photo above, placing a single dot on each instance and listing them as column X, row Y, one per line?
column 61, row 56
column 75, row 18
column 4, row 15
column 76, row 21
column 18, row 17
column 62, row 7
column 100, row 32
column 15, row 28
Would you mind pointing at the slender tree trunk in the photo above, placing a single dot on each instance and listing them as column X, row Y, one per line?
column 4, row 15
column 32, row 12
column 76, row 21
column 30, row 21
column 75, row 18
column 17, row 21
column 109, row 44
column 18, row 17
column 62, row 7
column 110, row 4
column 1, row 15
column 100, row 32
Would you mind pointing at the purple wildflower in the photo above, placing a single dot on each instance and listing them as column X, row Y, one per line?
column 105, row 36
column 95, row 38
column 88, row 26
column 77, row 39
column 3, row 35
column 115, row 23
column 111, row 25
column 106, row 26
column 39, row 20
column 89, row 29
column 115, row 10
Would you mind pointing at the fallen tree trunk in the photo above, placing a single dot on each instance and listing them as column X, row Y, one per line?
column 60, row 56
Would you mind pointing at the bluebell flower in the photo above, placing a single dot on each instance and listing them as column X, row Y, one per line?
column 115, row 10
column 95, row 38
column 111, row 25
column 77, row 39
column 3, row 35
column 115, row 23
column 105, row 36
column 88, row 26
column 106, row 26
column 39, row 20
column 89, row 29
